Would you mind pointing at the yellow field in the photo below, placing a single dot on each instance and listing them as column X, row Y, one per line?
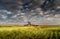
column 16, row 27
column 29, row 32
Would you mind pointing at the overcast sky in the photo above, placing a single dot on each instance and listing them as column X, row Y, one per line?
column 14, row 15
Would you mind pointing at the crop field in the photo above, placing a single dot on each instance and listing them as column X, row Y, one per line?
column 30, row 32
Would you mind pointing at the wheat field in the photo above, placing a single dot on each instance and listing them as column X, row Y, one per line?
column 29, row 32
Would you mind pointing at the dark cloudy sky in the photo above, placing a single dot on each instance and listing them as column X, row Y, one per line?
column 10, row 13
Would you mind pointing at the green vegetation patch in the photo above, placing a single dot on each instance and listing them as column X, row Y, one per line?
column 29, row 33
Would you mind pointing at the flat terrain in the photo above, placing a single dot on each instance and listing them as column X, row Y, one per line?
column 40, row 27
column 30, row 32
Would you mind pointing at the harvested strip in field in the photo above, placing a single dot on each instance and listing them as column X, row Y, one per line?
column 43, row 35
column 56, row 35
column 51, row 35
column 47, row 35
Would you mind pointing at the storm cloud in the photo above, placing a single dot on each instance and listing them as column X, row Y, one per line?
column 11, row 12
